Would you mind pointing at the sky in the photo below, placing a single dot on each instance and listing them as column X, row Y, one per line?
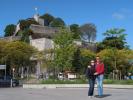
column 105, row 14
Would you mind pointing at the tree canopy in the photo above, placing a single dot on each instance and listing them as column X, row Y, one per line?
column 114, row 38
column 9, row 30
column 57, row 22
column 88, row 32
column 16, row 54
column 48, row 18
column 76, row 31
column 64, row 50
column 115, row 59
column 25, row 24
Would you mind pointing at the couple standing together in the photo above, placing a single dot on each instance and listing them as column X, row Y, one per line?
column 95, row 71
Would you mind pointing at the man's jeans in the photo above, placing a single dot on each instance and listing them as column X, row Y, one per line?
column 100, row 84
column 91, row 87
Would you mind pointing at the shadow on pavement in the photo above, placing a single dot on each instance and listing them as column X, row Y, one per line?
column 103, row 96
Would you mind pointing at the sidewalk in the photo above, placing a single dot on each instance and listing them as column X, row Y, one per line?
column 43, row 86
column 63, row 94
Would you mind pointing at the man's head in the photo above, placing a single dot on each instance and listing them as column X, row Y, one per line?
column 97, row 59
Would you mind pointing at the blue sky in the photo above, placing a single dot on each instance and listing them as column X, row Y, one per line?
column 105, row 14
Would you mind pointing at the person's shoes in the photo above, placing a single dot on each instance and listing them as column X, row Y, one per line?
column 90, row 97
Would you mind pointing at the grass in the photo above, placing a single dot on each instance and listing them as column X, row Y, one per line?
column 123, row 82
column 81, row 81
column 52, row 81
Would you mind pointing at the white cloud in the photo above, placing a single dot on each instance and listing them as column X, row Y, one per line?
column 125, row 10
column 118, row 16
column 122, row 14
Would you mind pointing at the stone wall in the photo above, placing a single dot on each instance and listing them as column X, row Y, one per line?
column 11, row 38
column 42, row 43
column 43, row 31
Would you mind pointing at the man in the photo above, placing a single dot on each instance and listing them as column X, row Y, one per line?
column 100, row 75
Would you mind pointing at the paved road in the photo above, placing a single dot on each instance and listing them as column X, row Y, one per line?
column 62, row 94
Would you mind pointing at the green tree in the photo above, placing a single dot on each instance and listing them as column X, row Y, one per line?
column 77, row 66
column 115, row 59
column 9, row 30
column 17, row 54
column 64, row 50
column 86, row 57
column 47, row 19
column 2, row 54
column 114, row 38
column 57, row 22
column 76, row 31
column 25, row 24
column 25, row 30
column 88, row 32
column 108, row 57
column 25, row 35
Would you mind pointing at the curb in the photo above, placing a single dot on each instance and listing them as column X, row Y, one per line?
column 53, row 86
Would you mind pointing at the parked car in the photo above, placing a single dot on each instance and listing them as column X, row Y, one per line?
column 60, row 76
column 8, row 81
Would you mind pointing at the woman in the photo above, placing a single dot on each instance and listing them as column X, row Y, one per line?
column 90, row 75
